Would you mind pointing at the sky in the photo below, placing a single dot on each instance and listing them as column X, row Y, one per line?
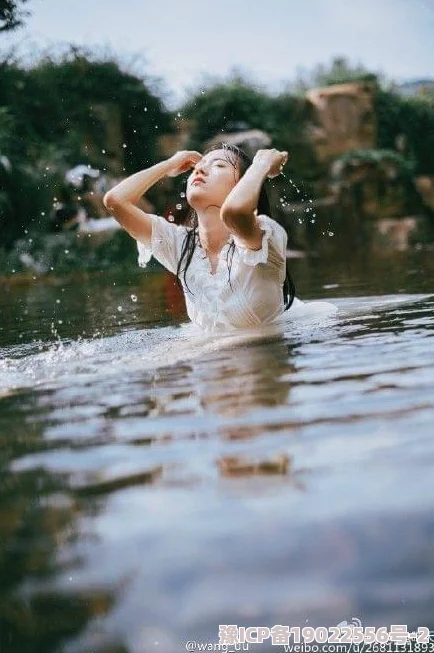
column 271, row 40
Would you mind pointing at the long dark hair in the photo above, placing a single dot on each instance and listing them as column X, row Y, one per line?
column 239, row 159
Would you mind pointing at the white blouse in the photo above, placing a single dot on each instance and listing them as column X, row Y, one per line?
column 254, row 296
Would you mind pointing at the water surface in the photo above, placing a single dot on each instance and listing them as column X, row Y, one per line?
column 157, row 482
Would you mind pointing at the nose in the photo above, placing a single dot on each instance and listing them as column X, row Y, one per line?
column 199, row 168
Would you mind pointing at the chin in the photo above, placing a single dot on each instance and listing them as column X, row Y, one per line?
column 196, row 199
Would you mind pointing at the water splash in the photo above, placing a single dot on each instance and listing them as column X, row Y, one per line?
column 308, row 213
column 91, row 359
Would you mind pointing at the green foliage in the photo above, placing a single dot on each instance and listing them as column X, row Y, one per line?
column 61, row 111
column 52, row 117
column 63, row 253
column 6, row 129
column 221, row 106
column 411, row 118
column 289, row 119
column 403, row 165
column 25, row 199
column 11, row 15
column 340, row 71
column 59, row 101
column 238, row 104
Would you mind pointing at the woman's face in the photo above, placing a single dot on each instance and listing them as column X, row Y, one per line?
column 211, row 180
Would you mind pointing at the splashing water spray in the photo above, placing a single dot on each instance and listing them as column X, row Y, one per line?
column 308, row 210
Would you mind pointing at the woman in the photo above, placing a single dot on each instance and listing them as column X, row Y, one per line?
column 231, row 260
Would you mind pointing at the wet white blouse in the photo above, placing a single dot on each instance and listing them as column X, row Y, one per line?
column 254, row 296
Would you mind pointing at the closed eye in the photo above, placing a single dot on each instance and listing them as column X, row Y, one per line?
column 220, row 163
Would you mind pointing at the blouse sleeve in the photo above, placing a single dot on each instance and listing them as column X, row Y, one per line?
column 165, row 246
column 273, row 247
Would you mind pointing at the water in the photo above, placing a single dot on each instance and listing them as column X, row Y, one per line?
column 157, row 482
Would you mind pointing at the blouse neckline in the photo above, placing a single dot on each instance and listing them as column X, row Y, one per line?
column 207, row 261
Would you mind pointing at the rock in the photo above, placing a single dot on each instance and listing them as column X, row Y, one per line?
column 250, row 141
column 109, row 116
column 168, row 144
column 373, row 184
column 425, row 187
column 403, row 233
column 342, row 118
column 234, row 466
column 396, row 233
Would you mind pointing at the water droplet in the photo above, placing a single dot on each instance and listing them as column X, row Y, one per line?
column 171, row 218
column 66, row 251
column 133, row 298
column 179, row 114
column 59, row 321
column 330, row 233
column 120, row 309
column 124, row 144
column 179, row 207
column 103, row 151
column 182, row 194
column 57, row 301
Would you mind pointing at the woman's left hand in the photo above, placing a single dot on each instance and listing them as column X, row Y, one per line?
column 273, row 160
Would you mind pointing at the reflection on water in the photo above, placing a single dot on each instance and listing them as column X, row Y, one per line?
column 157, row 482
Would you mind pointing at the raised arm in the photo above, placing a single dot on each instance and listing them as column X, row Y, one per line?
column 238, row 209
column 122, row 200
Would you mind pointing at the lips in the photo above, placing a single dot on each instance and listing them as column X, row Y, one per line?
column 198, row 180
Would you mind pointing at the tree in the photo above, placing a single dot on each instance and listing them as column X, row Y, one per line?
column 11, row 15
column 339, row 71
column 65, row 110
column 237, row 103
column 225, row 105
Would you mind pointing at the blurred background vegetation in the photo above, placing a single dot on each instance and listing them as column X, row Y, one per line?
column 78, row 107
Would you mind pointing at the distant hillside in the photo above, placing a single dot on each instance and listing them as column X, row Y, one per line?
column 416, row 87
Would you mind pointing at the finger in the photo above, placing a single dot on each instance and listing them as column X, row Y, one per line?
column 192, row 159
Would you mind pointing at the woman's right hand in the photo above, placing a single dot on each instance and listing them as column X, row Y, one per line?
column 182, row 161
column 273, row 160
